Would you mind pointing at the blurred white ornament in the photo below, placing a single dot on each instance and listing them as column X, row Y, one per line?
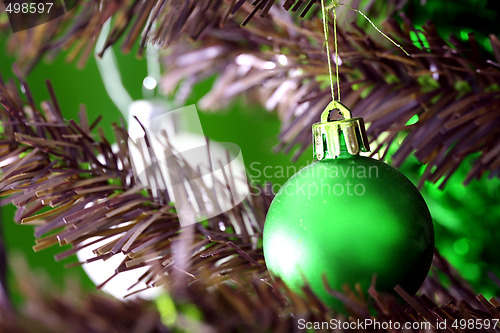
column 167, row 147
column 100, row 270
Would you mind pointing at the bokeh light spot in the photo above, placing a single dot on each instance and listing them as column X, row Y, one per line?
column 461, row 246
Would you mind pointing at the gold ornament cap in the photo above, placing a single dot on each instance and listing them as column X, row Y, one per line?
column 327, row 133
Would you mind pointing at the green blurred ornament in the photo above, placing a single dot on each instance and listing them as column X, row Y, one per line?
column 348, row 217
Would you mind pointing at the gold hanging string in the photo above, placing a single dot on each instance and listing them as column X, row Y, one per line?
column 326, row 32
column 335, row 104
column 336, row 4
column 337, row 59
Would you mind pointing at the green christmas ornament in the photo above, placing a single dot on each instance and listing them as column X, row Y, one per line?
column 348, row 217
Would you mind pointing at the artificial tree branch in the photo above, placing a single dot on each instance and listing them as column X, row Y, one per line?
column 52, row 173
column 449, row 86
column 52, row 163
column 132, row 24
column 5, row 305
